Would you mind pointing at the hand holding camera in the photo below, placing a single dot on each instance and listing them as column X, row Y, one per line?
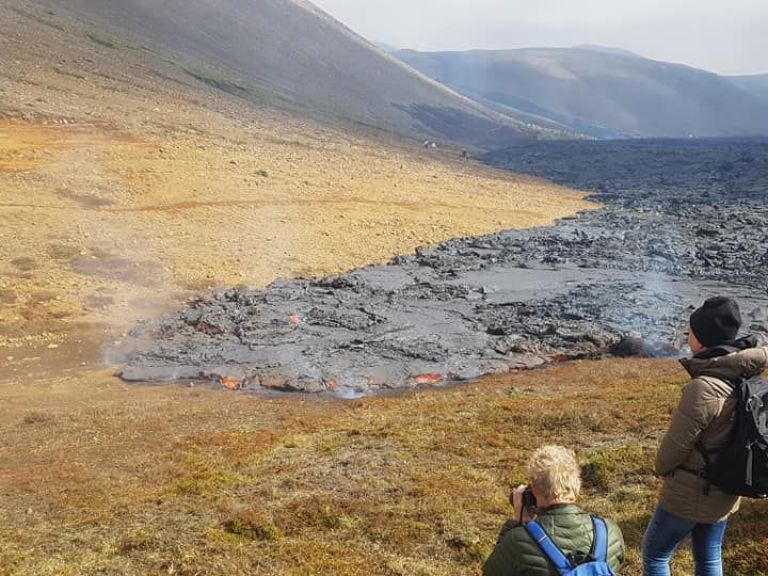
column 524, row 503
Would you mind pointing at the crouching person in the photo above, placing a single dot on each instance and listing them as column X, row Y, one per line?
column 550, row 535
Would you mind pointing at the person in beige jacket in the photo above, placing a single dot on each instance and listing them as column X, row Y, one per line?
column 702, row 422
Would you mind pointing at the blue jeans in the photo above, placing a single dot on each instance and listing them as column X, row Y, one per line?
column 665, row 532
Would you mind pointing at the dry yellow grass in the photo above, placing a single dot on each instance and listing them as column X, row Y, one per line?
column 195, row 481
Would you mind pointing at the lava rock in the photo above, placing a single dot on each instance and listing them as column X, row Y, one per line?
column 683, row 220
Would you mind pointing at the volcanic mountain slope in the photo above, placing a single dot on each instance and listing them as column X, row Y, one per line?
column 288, row 53
column 603, row 92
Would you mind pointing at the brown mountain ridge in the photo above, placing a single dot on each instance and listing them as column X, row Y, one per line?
column 291, row 55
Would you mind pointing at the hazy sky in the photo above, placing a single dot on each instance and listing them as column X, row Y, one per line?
column 726, row 37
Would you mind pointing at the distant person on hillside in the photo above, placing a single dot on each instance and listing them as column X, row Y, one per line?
column 702, row 422
column 549, row 499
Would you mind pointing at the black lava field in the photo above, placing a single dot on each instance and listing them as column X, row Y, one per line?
column 683, row 220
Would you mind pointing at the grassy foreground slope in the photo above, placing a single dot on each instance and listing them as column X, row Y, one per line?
column 193, row 481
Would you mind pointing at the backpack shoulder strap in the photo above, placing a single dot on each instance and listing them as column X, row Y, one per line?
column 549, row 548
column 600, row 544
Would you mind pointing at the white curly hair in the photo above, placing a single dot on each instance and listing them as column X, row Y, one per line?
column 555, row 473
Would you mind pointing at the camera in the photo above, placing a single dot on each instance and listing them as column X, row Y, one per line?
column 529, row 500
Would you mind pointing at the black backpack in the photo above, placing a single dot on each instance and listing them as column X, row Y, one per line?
column 741, row 466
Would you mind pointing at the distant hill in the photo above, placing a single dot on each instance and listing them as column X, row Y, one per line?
column 607, row 50
column 288, row 53
column 756, row 85
column 604, row 92
column 388, row 48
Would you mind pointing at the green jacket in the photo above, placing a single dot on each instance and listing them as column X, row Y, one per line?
column 567, row 525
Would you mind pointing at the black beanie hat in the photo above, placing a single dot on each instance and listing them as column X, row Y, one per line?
column 716, row 322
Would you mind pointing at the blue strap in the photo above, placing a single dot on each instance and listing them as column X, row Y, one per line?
column 555, row 555
column 600, row 546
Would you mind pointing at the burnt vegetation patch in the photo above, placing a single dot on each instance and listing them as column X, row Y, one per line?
column 682, row 221
column 104, row 265
column 7, row 296
column 24, row 264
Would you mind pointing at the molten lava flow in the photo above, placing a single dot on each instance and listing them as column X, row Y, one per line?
column 428, row 379
column 332, row 385
column 230, row 383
